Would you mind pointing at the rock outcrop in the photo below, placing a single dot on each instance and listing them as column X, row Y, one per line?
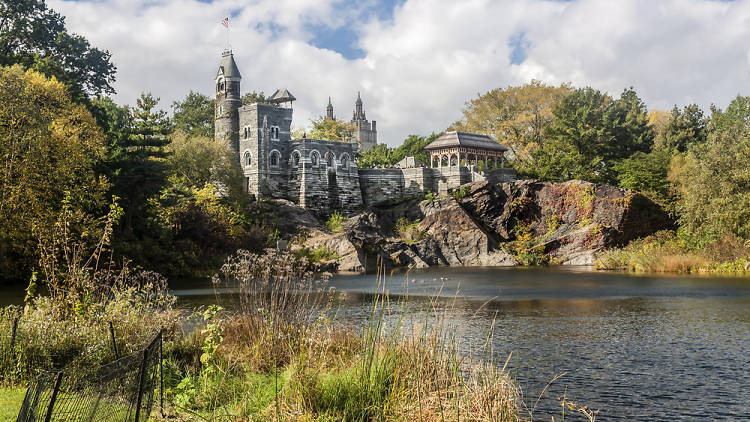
column 568, row 222
column 485, row 224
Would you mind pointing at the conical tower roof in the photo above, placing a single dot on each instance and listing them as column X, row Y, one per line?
column 228, row 67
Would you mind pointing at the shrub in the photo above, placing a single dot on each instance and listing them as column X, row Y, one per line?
column 336, row 222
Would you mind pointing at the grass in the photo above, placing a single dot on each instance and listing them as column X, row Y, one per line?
column 409, row 230
column 10, row 402
column 667, row 252
column 279, row 354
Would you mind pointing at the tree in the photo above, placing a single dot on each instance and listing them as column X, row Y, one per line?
column 195, row 161
column 194, row 115
column 35, row 37
column 140, row 165
column 682, row 129
column 50, row 149
column 714, row 177
column 594, row 132
column 648, row 174
column 331, row 130
column 254, row 97
column 414, row 146
column 515, row 116
column 379, row 155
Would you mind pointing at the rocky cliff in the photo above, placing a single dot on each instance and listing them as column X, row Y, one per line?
column 485, row 224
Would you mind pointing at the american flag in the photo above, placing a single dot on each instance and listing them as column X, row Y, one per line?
column 225, row 22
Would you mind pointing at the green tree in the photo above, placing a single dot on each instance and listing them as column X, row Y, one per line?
column 50, row 149
column 379, row 155
column 35, row 37
column 714, row 178
column 254, row 97
column 682, row 128
column 414, row 146
column 331, row 130
column 140, row 165
column 515, row 116
column 648, row 174
column 194, row 115
column 590, row 134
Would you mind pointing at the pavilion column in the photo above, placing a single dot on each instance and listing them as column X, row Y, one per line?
column 458, row 159
column 502, row 160
column 432, row 160
column 495, row 166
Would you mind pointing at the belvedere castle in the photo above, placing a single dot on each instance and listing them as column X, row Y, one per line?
column 321, row 175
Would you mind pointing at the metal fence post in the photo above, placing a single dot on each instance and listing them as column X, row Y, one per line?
column 13, row 333
column 53, row 397
column 161, row 371
column 141, row 379
column 114, row 343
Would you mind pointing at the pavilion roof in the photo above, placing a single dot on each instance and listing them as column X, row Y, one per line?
column 465, row 139
column 281, row 96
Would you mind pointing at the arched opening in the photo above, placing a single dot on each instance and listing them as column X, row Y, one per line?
column 295, row 158
column 454, row 160
column 274, row 160
column 345, row 161
column 248, row 159
column 329, row 160
column 314, row 158
column 444, row 161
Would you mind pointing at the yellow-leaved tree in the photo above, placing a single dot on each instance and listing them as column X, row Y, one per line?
column 515, row 116
column 50, row 149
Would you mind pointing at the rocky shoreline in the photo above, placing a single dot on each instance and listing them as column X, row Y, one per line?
column 525, row 222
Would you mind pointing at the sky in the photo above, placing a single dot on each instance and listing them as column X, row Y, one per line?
column 417, row 62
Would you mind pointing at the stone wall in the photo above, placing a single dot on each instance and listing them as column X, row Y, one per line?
column 323, row 176
column 379, row 185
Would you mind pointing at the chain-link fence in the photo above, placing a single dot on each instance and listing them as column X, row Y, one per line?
column 123, row 390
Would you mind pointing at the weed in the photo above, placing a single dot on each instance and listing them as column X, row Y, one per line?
column 409, row 230
column 335, row 222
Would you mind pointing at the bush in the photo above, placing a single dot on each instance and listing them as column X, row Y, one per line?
column 336, row 222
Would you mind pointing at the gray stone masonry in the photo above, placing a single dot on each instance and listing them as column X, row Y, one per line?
column 379, row 185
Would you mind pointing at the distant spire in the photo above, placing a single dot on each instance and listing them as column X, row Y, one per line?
column 359, row 113
column 329, row 111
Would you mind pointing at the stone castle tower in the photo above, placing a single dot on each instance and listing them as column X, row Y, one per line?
column 228, row 101
column 366, row 132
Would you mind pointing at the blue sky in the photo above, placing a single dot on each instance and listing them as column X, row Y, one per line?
column 417, row 62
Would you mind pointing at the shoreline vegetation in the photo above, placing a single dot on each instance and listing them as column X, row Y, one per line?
column 667, row 252
column 276, row 352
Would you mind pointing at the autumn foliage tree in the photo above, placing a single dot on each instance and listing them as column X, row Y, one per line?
column 50, row 149
column 515, row 116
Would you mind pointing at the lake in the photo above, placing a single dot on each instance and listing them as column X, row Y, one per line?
column 635, row 347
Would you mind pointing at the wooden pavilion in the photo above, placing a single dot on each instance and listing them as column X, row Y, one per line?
column 450, row 148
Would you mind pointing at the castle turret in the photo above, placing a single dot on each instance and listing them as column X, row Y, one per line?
column 365, row 133
column 329, row 111
column 227, row 122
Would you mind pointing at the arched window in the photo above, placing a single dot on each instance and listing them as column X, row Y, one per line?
column 274, row 132
column 329, row 160
column 274, row 160
column 314, row 158
column 344, row 161
column 248, row 161
column 245, row 132
column 295, row 158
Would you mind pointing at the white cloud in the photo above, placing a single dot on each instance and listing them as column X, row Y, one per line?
column 421, row 66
